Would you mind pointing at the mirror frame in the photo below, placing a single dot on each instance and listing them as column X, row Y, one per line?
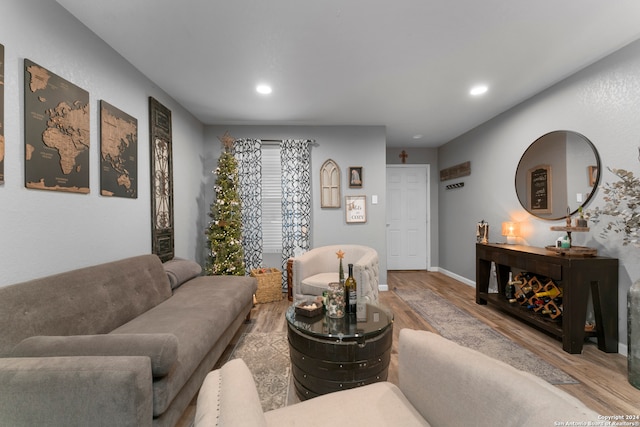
column 596, row 179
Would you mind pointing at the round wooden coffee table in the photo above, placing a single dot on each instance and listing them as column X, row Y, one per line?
column 329, row 354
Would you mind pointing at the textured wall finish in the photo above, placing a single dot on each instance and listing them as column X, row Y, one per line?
column 603, row 103
column 45, row 232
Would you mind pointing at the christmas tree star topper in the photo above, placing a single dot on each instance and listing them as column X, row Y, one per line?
column 340, row 254
column 227, row 141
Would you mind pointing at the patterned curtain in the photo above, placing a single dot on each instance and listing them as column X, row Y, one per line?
column 295, row 157
column 247, row 153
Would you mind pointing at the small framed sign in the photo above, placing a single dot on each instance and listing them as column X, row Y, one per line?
column 539, row 187
column 356, row 209
column 593, row 175
column 355, row 176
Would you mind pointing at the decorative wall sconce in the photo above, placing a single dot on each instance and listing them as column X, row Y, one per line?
column 511, row 230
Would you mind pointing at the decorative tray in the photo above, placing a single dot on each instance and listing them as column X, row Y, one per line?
column 574, row 250
column 309, row 309
column 570, row 229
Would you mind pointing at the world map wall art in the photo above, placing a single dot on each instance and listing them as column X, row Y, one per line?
column 56, row 132
column 1, row 113
column 118, row 152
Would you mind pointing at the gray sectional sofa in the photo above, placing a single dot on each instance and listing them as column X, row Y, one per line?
column 125, row 343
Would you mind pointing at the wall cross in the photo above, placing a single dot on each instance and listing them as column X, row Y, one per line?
column 403, row 156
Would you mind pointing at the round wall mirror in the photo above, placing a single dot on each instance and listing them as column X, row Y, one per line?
column 557, row 174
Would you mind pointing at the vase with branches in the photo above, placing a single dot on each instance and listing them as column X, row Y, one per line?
column 622, row 207
column 621, row 215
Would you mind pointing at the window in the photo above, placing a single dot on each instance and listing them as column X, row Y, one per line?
column 271, row 199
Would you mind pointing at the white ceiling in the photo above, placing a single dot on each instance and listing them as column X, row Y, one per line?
column 404, row 64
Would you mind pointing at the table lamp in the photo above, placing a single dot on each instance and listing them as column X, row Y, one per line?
column 511, row 230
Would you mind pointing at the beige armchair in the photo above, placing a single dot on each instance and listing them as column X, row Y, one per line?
column 440, row 383
column 312, row 271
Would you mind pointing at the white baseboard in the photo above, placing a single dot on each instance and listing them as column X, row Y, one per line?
column 455, row 276
column 623, row 349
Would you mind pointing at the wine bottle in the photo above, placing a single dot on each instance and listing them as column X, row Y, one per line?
column 533, row 303
column 525, row 293
column 521, row 282
column 535, row 283
column 510, row 292
column 351, row 293
column 549, row 290
column 552, row 309
column 540, row 303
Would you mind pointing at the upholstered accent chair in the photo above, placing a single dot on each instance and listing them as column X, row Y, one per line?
column 440, row 383
column 314, row 270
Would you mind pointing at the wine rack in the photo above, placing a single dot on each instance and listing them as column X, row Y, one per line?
column 564, row 315
column 543, row 299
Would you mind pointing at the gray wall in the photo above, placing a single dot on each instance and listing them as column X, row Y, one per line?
column 347, row 146
column 603, row 103
column 45, row 232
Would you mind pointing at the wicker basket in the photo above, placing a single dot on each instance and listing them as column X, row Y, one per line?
column 269, row 284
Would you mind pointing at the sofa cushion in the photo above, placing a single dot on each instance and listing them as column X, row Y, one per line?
column 162, row 349
column 318, row 283
column 198, row 314
column 75, row 391
column 181, row 270
column 87, row 301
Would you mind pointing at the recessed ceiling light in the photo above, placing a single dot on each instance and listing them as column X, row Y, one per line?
column 417, row 136
column 478, row 90
column 263, row 89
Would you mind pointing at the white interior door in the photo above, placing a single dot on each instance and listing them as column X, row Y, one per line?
column 407, row 217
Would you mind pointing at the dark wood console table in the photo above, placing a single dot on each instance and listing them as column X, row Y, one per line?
column 576, row 275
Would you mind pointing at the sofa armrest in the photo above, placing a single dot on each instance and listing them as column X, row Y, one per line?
column 162, row 349
column 436, row 375
column 228, row 397
column 180, row 271
column 75, row 391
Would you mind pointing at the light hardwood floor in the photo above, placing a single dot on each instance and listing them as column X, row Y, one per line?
column 602, row 376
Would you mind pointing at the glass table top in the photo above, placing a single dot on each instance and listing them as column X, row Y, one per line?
column 371, row 322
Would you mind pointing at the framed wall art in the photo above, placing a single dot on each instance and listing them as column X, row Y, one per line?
column 539, row 189
column 1, row 114
column 118, row 152
column 56, row 132
column 356, row 209
column 162, row 227
column 355, row 176
column 330, row 185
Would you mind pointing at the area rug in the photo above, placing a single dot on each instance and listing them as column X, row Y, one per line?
column 267, row 356
column 464, row 329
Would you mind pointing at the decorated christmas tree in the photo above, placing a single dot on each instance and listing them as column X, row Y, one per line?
column 224, row 233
